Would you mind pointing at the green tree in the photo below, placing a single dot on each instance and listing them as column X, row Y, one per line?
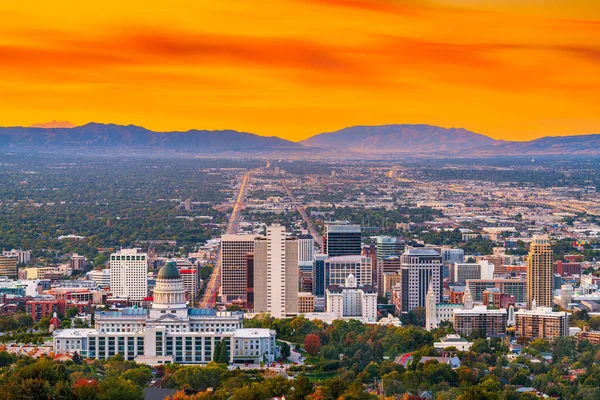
column 223, row 353
column 285, row 350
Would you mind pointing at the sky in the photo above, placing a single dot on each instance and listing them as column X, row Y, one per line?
column 510, row 69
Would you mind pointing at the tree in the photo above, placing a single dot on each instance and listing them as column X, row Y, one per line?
column 223, row 353
column 217, row 352
column 285, row 350
column 76, row 358
column 301, row 388
column 120, row 389
column 312, row 344
column 595, row 323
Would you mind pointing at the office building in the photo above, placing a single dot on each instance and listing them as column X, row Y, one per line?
column 318, row 275
column 129, row 275
column 389, row 281
column 387, row 266
column 491, row 322
column 276, row 273
column 337, row 270
column 352, row 301
column 101, row 277
column 306, row 250
column 234, row 249
column 77, row 262
column 8, row 266
column 513, row 287
column 342, row 240
column 23, row 256
column 452, row 256
column 169, row 332
column 540, row 272
column 493, row 297
column 250, row 281
column 542, row 323
column 419, row 265
column 306, row 303
column 463, row 271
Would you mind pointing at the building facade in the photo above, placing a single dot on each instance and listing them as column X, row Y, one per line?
column 542, row 323
column 419, row 266
column 169, row 332
column 491, row 322
column 342, row 240
column 338, row 269
column 234, row 249
column 129, row 275
column 540, row 273
column 352, row 301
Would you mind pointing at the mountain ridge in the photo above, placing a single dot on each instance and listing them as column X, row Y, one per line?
column 406, row 139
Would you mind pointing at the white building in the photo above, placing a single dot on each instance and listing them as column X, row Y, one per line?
column 101, row 277
column 128, row 274
column 276, row 273
column 352, row 301
column 453, row 340
column 338, row 269
column 169, row 332
column 306, row 251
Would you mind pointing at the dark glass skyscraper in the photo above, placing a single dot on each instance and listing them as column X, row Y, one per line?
column 342, row 240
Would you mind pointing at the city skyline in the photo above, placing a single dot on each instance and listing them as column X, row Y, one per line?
column 511, row 70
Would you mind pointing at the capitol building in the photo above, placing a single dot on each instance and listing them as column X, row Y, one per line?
column 169, row 331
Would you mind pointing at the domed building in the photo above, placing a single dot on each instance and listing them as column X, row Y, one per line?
column 169, row 331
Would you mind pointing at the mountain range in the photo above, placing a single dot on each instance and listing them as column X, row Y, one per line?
column 402, row 139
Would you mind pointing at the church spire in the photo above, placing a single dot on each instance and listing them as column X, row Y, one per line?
column 430, row 307
column 468, row 299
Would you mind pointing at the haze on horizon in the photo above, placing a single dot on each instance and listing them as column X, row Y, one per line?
column 510, row 69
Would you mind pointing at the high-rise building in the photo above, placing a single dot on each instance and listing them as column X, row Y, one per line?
column 387, row 266
column 342, row 240
column 306, row 249
column 337, row 270
column 234, row 250
column 418, row 266
column 539, row 272
column 77, row 262
column 276, row 273
column 8, row 266
column 514, row 287
column 319, row 275
column 388, row 250
column 129, row 274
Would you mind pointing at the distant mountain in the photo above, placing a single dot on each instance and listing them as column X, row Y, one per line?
column 434, row 140
column 401, row 139
column 96, row 135
column 54, row 124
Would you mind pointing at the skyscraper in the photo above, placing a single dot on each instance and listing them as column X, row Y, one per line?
column 418, row 266
column 129, row 274
column 276, row 273
column 342, row 240
column 305, row 250
column 388, row 250
column 319, row 275
column 234, row 249
column 539, row 272
column 8, row 266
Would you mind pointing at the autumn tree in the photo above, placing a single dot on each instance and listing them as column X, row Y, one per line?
column 312, row 344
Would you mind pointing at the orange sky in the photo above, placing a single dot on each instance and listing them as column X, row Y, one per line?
column 512, row 69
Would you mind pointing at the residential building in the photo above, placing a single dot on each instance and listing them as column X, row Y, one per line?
column 493, row 297
column 419, row 266
column 491, row 322
column 276, row 273
column 591, row 336
column 542, row 323
column 540, row 272
column 342, row 240
column 77, row 262
column 352, row 301
column 169, row 332
column 234, row 249
column 128, row 275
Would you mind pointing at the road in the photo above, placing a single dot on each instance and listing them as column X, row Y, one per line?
column 302, row 211
column 212, row 288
